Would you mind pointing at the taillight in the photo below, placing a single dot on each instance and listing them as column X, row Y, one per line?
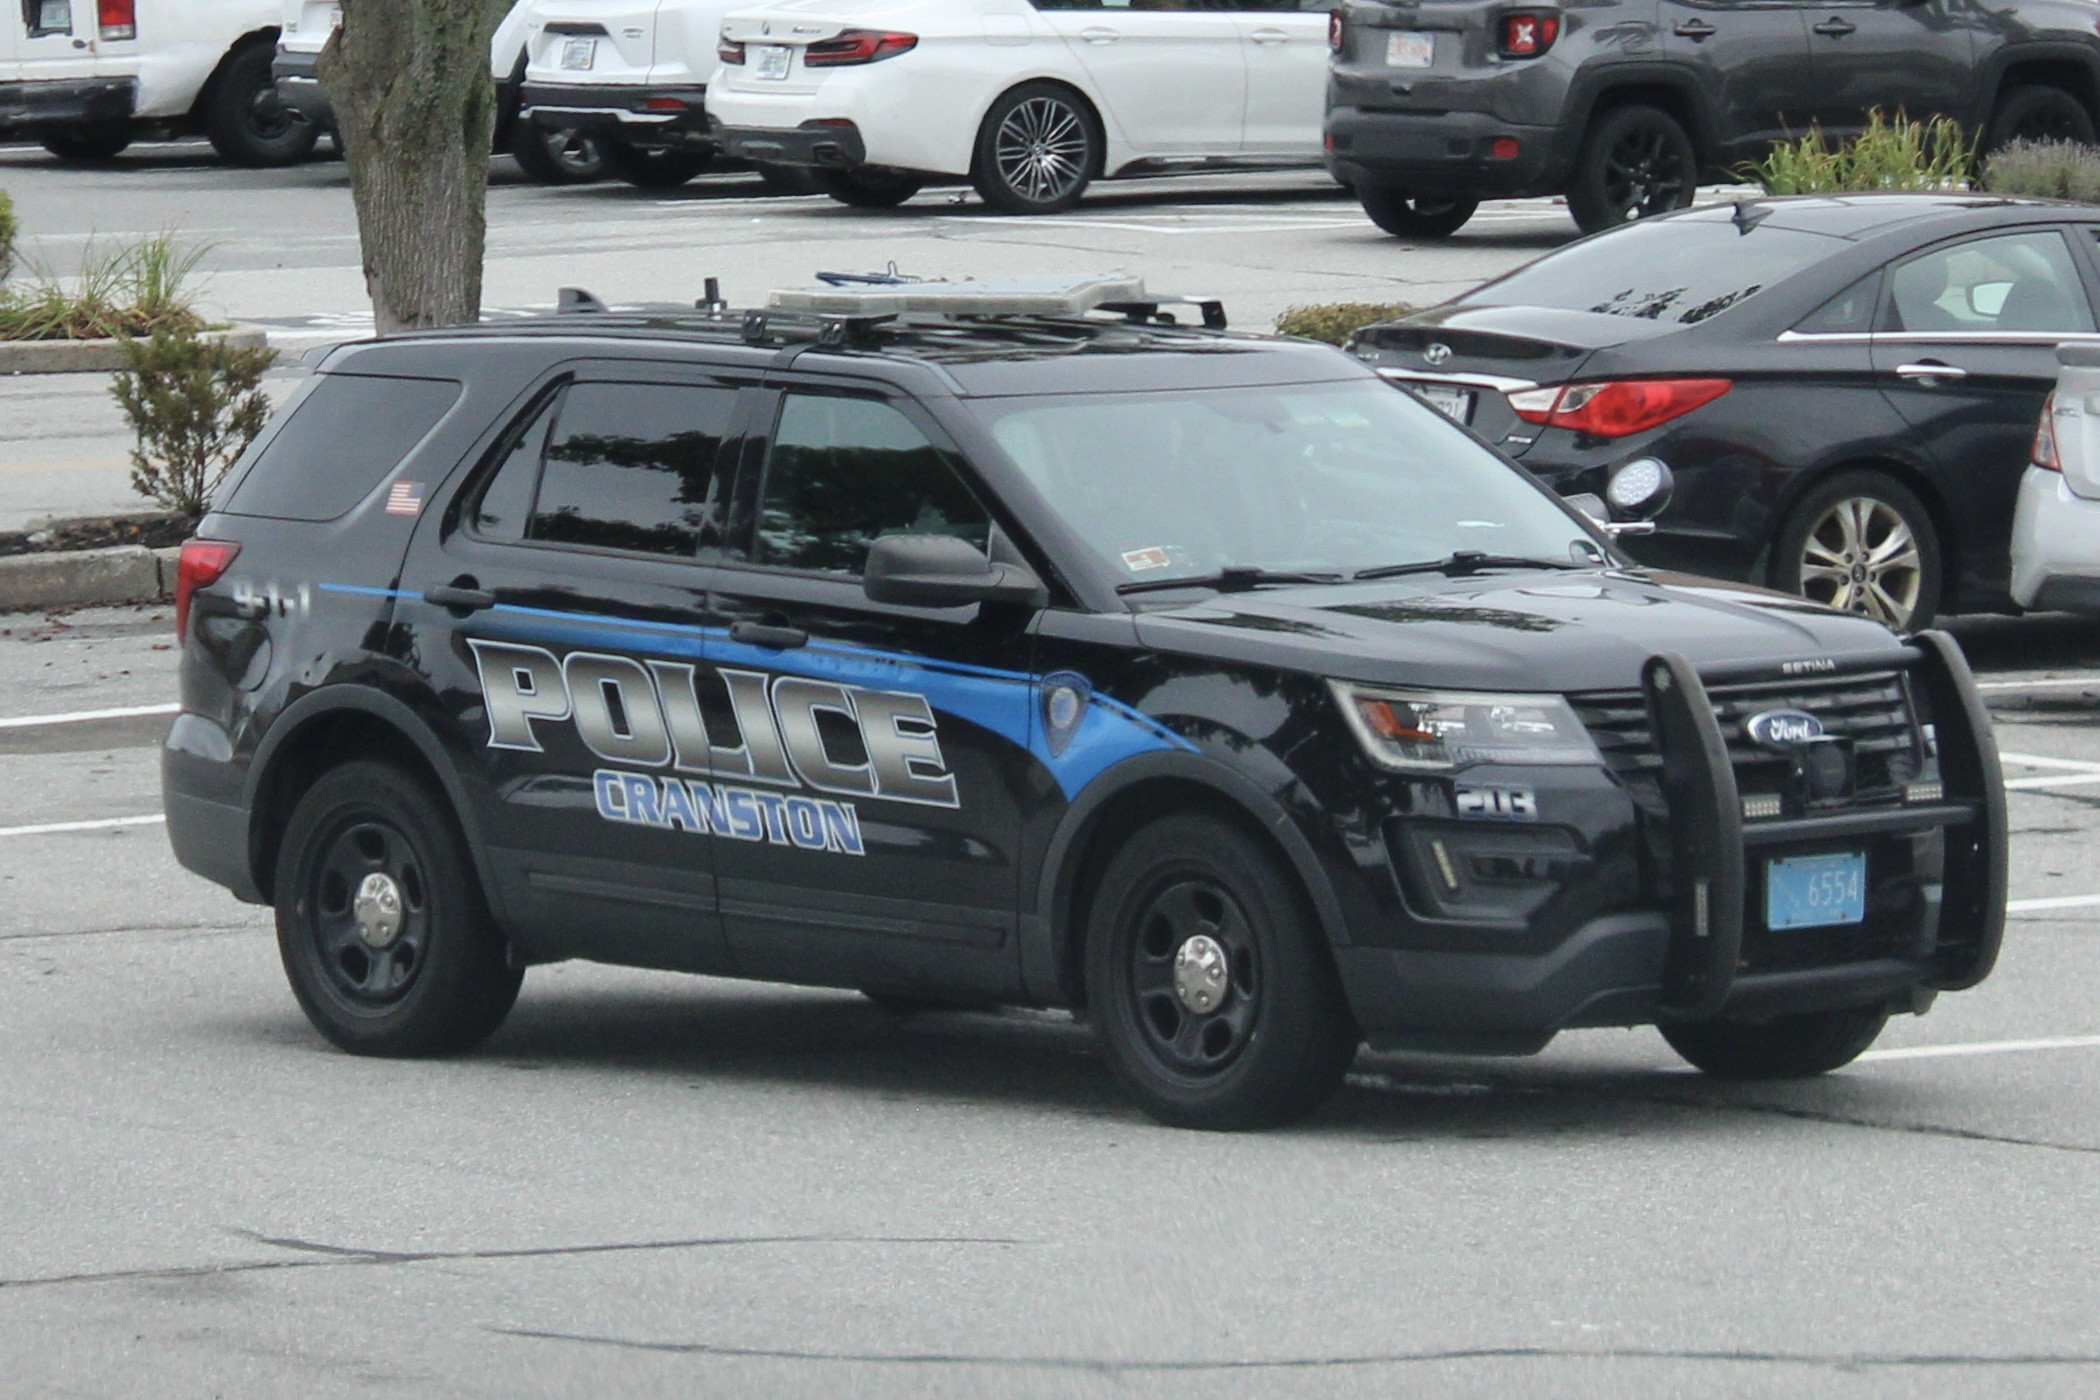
column 858, row 46
column 1334, row 31
column 1615, row 408
column 199, row 566
column 118, row 18
column 2044, row 454
column 729, row 50
column 1528, row 33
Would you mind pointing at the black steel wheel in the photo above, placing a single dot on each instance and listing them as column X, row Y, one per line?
column 557, row 155
column 1635, row 161
column 868, row 187
column 1037, row 150
column 245, row 119
column 1862, row 542
column 1791, row 1047
column 88, row 141
column 1213, row 992
column 380, row 920
column 1415, row 216
column 2039, row 114
column 656, row 170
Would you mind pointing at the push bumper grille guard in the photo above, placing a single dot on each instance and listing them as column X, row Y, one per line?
column 1710, row 843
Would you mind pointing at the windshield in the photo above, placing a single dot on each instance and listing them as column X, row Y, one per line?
column 1311, row 478
column 1679, row 271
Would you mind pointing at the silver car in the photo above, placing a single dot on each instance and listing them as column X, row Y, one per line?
column 2056, row 525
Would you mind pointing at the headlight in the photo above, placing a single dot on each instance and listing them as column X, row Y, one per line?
column 1437, row 731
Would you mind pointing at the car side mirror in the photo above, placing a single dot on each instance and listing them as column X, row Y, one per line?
column 1641, row 488
column 941, row 571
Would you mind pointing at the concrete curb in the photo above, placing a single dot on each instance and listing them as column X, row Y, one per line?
column 125, row 573
column 96, row 356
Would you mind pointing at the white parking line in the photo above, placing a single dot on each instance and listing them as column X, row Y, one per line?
column 1984, row 1047
column 83, row 716
column 2047, row 683
column 2081, row 771
column 102, row 824
column 2054, row 901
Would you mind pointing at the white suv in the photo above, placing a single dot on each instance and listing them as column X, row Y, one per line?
column 1030, row 102
column 88, row 77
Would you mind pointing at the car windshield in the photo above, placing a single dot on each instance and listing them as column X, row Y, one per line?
column 1678, row 271
column 1309, row 478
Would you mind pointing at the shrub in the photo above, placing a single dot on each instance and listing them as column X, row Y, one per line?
column 195, row 405
column 1890, row 154
column 131, row 292
column 1336, row 321
column 2047, row 169
column 8, row 229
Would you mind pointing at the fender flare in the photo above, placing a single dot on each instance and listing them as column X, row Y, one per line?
column 1591, row 87
column 1991, row 87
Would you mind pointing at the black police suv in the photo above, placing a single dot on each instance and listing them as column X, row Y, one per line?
column 1202, row 683
column 1625, row 106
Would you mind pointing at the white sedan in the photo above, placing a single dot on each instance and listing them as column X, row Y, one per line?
column 2056, row 523
column 1030, row 102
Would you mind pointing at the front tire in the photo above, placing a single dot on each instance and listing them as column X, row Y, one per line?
column 1415, row 216
column 1214, row 995
column 1037, row 150
column 557, row 155
column 380, row 921
column 868, row 188
column 1792, row 1047
column 88, row 143
column 655, row 170
column 1635, row 162
column 247, row 123
column 1862, row 543
column 2039, row 113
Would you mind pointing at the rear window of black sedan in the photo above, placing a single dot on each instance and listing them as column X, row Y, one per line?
column 1679, row 271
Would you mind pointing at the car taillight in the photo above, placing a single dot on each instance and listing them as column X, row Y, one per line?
column 1334, row 31
column 729, row 50
column 1615, row 408
column 858, row 46
column 118, row 18
column 1528, row 33
column 199, row 566
column 2044, row 454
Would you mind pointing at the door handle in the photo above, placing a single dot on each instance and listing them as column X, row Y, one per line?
column 1096, row 34
column 765, row 634
column 461, row 597
column 1694, row 29
column 1270, row 36
column 1835, row 27
column 1928, row 370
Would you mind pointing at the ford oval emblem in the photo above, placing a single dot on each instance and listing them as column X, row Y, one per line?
column 1784, row 729
column 1436, row 353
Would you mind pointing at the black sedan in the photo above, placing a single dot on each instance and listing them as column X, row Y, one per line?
column 1845, row 387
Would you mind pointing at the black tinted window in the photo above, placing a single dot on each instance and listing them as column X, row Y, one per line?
column 1678, row 271
column 632, row 466
column 505, row 502
column 844, row 471
column 342, row 440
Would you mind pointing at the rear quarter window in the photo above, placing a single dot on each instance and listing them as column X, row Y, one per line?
column 342, row 440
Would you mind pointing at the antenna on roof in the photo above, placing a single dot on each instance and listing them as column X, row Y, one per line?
column 573, row 299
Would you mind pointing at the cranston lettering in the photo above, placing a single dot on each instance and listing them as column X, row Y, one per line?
column 736, row 813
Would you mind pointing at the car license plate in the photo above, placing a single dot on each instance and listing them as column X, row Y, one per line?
column 1816, row 891
column 770, row 61
column 579, row 53
column 1452, row 403
column 1410, row 50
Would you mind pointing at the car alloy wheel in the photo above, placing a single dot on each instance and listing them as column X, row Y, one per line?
column 1861, row 556
column 1642, row 174
column 1635, row 162
column 1041, row 149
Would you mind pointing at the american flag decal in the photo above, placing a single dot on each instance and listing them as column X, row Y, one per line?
column 405, row 498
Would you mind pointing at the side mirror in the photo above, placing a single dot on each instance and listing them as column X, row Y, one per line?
column 941, row 571
column 1640, row 489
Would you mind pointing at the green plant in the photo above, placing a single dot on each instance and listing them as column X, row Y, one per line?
column 1891, row 153
column 129, row 291
column 1336, row 321
column 2046, row 169
column 194, row 405
column 8, row 229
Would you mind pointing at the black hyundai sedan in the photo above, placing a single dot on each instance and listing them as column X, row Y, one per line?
column 1846, row 388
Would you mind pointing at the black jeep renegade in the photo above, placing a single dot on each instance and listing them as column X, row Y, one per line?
column 1200, row 682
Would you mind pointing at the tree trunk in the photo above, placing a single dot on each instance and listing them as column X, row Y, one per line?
column 416, row 109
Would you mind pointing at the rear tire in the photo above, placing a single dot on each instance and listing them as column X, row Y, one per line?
column 866, row 188
column 1212, row 989
column 557, row 155
column 1792, row 1047
column 1635, row 162
column 1844, row 545
column 1037, row 150
column 244, row 119
column 2039, row 113
column 655, row 170
column 385, row 937
column 88, row 143
column 1415, row 216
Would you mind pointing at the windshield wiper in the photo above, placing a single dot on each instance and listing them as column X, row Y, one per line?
column 1227, row 580
column 1470, row 561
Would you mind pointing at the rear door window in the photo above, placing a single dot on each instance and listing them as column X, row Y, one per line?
column 346, row 435
column 2017, row 283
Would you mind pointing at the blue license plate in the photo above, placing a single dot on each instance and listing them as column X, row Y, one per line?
column 1816, row 891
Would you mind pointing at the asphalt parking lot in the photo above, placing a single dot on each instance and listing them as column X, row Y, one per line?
column 653, row 1184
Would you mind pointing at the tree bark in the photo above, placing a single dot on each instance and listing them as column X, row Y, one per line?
column 416, row 109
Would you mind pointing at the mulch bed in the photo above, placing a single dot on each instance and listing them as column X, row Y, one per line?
column 154, row 530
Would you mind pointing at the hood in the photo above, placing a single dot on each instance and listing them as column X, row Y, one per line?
column 1549, row 631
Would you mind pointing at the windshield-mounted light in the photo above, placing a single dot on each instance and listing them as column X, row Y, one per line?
column 1440, row 731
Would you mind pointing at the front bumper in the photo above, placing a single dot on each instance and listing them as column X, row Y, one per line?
column 634, row 114
column 1440, row 153
column 68, row 102
column 2055, row 545
column 299, row 87
column 834, row 145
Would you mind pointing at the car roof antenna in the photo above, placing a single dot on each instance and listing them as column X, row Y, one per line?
column 577, row 299
column 711, row 297
column 1748, row 215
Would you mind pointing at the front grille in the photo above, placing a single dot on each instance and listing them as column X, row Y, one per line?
column 1871, row 711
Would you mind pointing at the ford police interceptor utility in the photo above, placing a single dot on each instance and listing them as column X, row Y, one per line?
column 1018, row 644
